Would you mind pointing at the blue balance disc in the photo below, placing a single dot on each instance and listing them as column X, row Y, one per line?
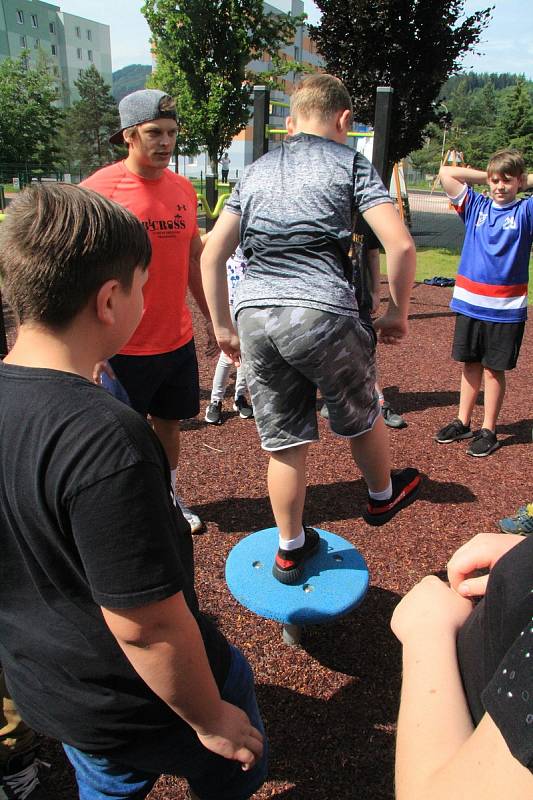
column 335, row 580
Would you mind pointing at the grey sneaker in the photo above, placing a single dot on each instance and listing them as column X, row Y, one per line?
column 193, row 519
column 521, row 523
column 213, row 413
column 391, row 418
column 453, row 432
column 324, row 411
column 244, row 408
column 485, row 443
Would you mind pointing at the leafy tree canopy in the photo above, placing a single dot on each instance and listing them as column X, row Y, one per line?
column 203, row 48
column 411, row 45
column 130, row 79
column 28, row 116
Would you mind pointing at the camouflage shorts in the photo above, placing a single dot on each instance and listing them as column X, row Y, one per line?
column 289, row 352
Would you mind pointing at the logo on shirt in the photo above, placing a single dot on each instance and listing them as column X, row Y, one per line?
column 509, row 223
column 158, row 225
column 481, row 219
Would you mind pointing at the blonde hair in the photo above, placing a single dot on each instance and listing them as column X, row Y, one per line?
column 320, row 96
column 507, row 162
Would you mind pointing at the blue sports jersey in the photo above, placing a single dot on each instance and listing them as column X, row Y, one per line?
column 493, row 272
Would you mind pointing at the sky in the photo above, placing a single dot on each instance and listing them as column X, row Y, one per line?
column 507, row 44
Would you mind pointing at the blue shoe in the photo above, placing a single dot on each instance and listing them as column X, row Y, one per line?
column 521, row 523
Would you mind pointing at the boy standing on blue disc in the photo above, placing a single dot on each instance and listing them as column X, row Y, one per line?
column 297, row 317
column 490, row 294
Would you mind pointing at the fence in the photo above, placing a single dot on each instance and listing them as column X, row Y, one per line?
column 433, row 222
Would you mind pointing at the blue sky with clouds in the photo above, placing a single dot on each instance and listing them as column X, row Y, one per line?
column 507, row 44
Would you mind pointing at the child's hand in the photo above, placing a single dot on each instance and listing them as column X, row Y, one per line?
column 391, row 328
column 481, row 552
column 233, row 736
column 228, row 341
column 430, row 609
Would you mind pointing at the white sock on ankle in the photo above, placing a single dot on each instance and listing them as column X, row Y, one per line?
column 293, row 544
column 386, row 494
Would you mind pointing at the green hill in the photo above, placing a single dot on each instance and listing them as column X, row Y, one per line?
column 129, row 79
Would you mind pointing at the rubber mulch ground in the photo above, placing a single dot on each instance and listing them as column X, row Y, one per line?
column 330, row 706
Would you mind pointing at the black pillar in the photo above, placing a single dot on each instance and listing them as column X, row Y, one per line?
column 3, row 338
column 211, row 195
column 261, row 120
column 382, row 122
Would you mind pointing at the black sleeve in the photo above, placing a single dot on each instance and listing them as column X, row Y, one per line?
column 126, row 531
column 362, row 228
column 508, row 698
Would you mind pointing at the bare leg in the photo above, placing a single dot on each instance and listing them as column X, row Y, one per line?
column 168, row 433
column 494, row 394
column 286, row 487
column 372, row 455
column 471, row 378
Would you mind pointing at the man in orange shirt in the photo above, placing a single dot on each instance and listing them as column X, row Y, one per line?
column 158, row 366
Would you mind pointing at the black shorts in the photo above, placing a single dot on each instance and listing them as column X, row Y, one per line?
column 496, row 345
column 165, row 385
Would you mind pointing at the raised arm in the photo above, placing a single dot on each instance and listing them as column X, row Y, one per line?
column 401, row 265
column 454, row 178
column 163, row 643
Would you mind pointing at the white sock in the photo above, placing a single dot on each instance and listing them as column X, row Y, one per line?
column 293, row 544
column 386, row 494
column 173, row 473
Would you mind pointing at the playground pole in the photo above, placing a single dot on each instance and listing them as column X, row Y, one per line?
column 3, row 338
column 261, row 120
column 382, row 122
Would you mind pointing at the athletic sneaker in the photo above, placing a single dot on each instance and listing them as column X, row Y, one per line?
column 405, row 488
column 324, row 412
column 485, row 443
column 19, row 779
column 213, row 413
column 453, row 432
column 391, row 418
column 193, row 519
column 521, row 523
column 289, row 564
column 244, row 408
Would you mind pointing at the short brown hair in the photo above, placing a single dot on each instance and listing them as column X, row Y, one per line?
column 507, row 162
column 58, row 245
column 320, row 96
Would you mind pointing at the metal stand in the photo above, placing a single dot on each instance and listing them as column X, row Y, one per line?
column 211, row 194
column 382, row 122
column 261, row 120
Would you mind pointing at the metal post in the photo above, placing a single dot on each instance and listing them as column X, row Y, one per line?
column 382, row 122
column 211, row 195
column 261, row 120
column 3, row 337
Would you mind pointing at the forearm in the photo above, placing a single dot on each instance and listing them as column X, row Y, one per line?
column 434, row 720
column 401, row 268
column 454, row 178
column 529, row 182
column 374, row 269
column 222, row 242
column 196, row 287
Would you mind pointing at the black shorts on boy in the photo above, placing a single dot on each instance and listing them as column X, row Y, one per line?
column 495, row 345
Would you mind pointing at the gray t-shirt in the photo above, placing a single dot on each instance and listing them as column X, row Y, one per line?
column 297, row 205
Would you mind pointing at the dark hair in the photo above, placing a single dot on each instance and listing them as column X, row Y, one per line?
column 58, row 245
column 507, row 162
column 321, row 96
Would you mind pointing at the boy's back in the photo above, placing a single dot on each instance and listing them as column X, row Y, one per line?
column 297, row 205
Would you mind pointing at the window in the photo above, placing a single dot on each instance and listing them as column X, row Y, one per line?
column 37, row 44
column 89, row 36
column 34, row 21
column 90, row 55
column 52, row 27
column 296, row 53
column 78, row 52
column 23, row 41
column 78, row 31
column 20, row 16
column 54, row 49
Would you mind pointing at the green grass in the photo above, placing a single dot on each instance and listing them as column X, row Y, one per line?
column 431, row 261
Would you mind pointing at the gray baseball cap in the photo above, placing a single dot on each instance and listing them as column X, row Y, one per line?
column 143, row 106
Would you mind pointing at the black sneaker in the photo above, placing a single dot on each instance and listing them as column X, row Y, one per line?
column 19, row 779
column 244, row 408
column 485, row 443
column 405, row 487
column 453, row 432
column 391, row 418
column 213, row 413
column 289, row 564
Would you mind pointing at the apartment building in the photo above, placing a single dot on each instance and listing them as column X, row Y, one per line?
column 70, row 43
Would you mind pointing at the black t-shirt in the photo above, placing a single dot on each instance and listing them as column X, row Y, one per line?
column 495, row 650
column 87, row 519
column 364, row 239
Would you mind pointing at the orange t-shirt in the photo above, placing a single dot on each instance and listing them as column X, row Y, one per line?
column 167, row 209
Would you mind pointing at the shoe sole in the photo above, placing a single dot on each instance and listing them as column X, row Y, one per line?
column 381, row 519
column 241, row 415
column 396, row 425
column 468, row 435
column 291, row 576
column 494, row 447
column 213, row 422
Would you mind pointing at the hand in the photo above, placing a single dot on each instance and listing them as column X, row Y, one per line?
column 233, row 736
column 391, row 328
column 481, row 552
column 430, row 609
column 228, row 341
column 102, row 366
column 375, row 303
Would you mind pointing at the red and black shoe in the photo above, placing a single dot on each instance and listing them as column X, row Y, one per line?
column 405, row 488
column 289, row 564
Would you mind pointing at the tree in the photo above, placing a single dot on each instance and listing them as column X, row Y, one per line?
column 90, row 122
column 411, row 45
column 28, row 117
column 516, row 120
column 203, row 48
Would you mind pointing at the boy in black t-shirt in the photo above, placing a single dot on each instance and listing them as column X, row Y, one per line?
column 97, row 602
column 465, row 728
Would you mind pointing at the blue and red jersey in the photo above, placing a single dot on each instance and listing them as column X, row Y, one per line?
column 493, row 272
